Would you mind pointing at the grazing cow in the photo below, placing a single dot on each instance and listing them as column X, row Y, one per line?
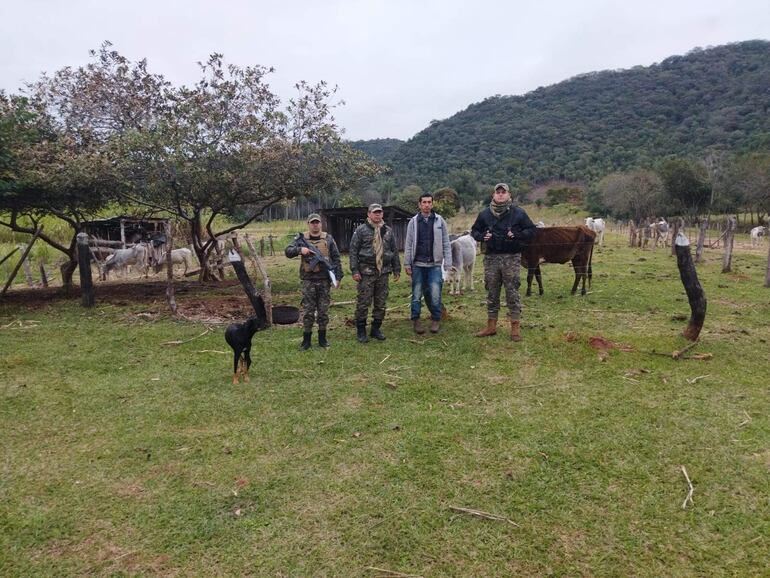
column 559, row 245
column 238, row 337
column 597, row 226
column 660, row 230
column 120, row 259
column 182, row 256
column 756, row 233
column 463, row 261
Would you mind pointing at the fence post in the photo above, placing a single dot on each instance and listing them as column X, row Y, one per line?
column 727, row 260
column 695, row 294
column 43, row 276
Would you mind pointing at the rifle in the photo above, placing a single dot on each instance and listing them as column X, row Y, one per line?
column 318, row 258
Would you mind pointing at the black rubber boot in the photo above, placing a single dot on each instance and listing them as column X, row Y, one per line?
column 361, row 332
column 305, row 345
column 375, row 332
column 322, row 338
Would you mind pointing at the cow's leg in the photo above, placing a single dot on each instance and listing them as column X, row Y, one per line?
column 470, row 275
column 539, row 278
column 530, row 274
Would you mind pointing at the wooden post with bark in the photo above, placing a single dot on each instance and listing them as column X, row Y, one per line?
column 84, row 265
column 631, row 234
column 240, row 271
column 18, row 265
column 678, row 226
column 170, row 270
column 692, row 287
column 767, row 273
column 267, row 293
column 727, row 260
column 701, row 239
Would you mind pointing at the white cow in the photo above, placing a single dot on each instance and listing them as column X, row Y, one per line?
column 756, row 233
column 661, row 230
column 122, row 258
column 540, row 225
column 182, row 256
column 597, row 226
column 463, row 262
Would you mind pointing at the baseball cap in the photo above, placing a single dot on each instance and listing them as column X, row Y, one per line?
column 313, row 217
column 375, row 207
column 503, row 186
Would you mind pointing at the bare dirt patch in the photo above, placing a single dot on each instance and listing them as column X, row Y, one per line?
column 212, row 302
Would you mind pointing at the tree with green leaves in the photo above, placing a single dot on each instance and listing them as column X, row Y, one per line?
column 226, row 146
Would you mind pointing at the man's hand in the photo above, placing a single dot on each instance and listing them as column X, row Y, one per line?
column 408, row 270
column 356, row 277
column 488, row 235
column 304, row 251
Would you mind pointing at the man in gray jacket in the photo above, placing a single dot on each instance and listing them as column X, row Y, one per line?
column 427, row 253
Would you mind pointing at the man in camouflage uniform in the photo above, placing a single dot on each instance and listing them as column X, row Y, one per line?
column 316, row 282
column 503, row 228
column 373, row 257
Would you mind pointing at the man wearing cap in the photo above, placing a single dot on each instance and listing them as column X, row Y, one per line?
column 427, row 253
column 316, row 281
column 373, row 257
column 503, row 228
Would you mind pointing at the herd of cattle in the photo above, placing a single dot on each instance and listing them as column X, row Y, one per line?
column 549, row 245
column 141, row 257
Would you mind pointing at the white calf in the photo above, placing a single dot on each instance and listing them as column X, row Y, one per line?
column 463, row 262
column 756, row 233
column 122, row 258
column 181, row 256
column 597, row 226
column 661, row 230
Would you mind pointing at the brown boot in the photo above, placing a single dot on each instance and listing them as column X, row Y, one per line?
column 434, row 326
column 515, row 335
column 491, row 329
column 418, row 328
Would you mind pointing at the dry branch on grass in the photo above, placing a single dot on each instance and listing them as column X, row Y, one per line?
column 180, row 342
column 687, row 498
column 384, row 573
column 480, row 514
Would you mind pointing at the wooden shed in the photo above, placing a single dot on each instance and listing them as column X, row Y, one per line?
column 342, row 222
column 122, row 230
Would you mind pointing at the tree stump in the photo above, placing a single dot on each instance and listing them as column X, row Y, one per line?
column 692, row 287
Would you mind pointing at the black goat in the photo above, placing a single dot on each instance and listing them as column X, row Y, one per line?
column 238, row 336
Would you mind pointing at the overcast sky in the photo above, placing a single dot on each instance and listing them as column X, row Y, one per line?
column 398, row 63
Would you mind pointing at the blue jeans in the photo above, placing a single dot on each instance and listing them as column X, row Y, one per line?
column 427, row 282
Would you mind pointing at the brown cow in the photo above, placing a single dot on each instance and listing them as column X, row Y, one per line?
column 559, row 245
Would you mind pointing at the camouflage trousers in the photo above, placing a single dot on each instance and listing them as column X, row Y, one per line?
column 316, row 298
column 502, row 270
column 372, row 288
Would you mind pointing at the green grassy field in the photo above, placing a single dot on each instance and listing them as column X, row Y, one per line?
column 125, row 456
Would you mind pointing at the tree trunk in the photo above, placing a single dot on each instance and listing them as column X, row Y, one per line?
column 267, row 293
column 84, row 264
column 727, row 260
column 695, row 294
column 701, row 239
column 22, row 260
column 67, row 271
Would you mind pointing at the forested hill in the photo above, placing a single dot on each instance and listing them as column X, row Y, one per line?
column 380, row 149
column 593, row 124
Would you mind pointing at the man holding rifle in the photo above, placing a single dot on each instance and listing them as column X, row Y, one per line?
column 319, row 269
column 503, row 228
